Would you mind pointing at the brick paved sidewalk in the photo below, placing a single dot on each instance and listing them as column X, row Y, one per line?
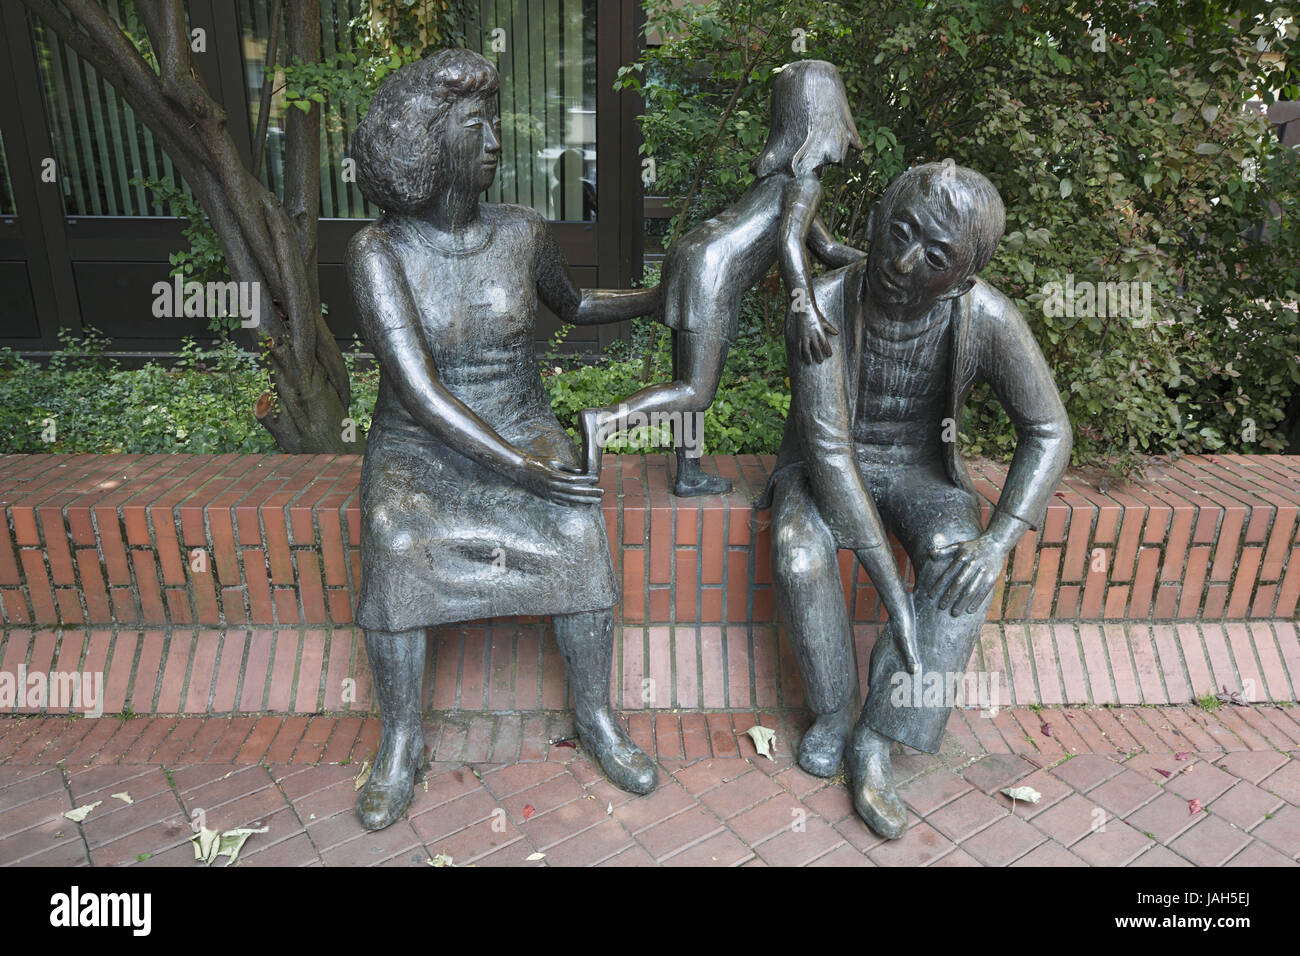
column 1113, row 792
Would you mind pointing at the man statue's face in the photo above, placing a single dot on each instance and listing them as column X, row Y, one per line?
column 918, row 256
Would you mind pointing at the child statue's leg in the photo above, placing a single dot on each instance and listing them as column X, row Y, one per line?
column 397, row 667
column 587, row 645
column 697, row 369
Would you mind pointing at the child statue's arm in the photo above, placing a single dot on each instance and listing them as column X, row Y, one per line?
column 804, row 321
column 830, row 250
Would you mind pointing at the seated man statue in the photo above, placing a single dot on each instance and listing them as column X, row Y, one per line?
column 918, row 330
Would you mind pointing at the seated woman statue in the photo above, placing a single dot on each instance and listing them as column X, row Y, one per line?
column 473, row 504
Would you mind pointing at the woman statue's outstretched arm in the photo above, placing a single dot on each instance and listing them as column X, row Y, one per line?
column 584, row 306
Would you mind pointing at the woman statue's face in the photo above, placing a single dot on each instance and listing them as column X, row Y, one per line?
column 472, row 142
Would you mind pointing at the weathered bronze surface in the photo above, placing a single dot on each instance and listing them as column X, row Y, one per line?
column 473, row 502
column 707, row 271
column 875, row 427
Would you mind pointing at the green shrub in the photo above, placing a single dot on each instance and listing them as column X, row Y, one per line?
column 1119, row 137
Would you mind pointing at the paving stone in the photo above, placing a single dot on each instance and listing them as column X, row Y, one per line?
column 679, row 832
column 1007, row 840
column 1052, row 788
column 1117, row 845
column 957, row 858
column 1160, row 856
column 1050, row 853
column 843, row 855
column 1124, row 793
column 967, row 815
column 799, row 847
column 644, row 812
column 1246, row 805
column 471, row 844
column 704, row 775
column 921, row 844
column 1211, row 842
column 1260, row 854
column 1164, row 818
column 1285, row 782
column 591, row 846
column 740, row 794
column 1281, row 831
column 721, row 849
column 1203, row 782
column 996, row 771
column 928, row 793
column 1070, row 820
column 1251, row 766
column 1087, row 771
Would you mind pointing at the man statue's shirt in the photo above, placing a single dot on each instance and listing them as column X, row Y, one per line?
column 902, row 388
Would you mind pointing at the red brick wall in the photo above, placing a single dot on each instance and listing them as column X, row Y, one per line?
column 164, row 541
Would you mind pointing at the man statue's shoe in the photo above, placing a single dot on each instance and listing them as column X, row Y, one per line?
column 387, row 793
column 625, row 764
column 822, row 746
column 872, row 780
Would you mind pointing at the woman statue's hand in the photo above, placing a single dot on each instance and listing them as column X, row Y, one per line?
column 557, row 481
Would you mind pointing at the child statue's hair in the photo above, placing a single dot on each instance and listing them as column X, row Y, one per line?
column 962, row 194
column 811, row 121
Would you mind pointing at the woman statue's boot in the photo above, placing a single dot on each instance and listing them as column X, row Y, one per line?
column 692, row 482
column 871, row 779
column 397, row 666
column 587, row 644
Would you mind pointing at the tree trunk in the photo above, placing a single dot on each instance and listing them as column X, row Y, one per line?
column 265, row 241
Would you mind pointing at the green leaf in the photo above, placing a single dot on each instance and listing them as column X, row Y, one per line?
column 1067, row 187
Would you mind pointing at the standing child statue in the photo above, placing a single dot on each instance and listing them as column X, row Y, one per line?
column 707, row 271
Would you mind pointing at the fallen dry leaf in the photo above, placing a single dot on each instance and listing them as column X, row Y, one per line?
column 1045, row 730
column 1181, row 755
column 534, row 857
column 1028, row 794
column 1163, row 773
column 442, row 859
column 360, row 779
column 566, row 743
column 764, row 740
column 529, row 810
column 124, row 797
column 609, row 809
column 79, row 814
column 1194, row 806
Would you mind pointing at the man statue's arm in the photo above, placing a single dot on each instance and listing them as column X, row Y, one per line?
column 1012, row 363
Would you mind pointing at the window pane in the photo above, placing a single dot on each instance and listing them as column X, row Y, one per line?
column 7, row 207
column 98, row 143
column 548, row 101
column 339, row 199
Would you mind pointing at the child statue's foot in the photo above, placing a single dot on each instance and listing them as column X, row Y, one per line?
column 589, row 425
column 624, row 763
column 872, row 781
column 822, row 746
column 692, row 481
column 388, row 791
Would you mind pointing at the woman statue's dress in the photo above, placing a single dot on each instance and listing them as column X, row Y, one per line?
column 444, row 538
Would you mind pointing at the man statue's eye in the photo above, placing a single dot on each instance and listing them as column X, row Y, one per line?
column 937, row 260
column 899, row 231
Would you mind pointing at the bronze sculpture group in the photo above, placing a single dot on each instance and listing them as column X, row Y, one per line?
column 475, row 504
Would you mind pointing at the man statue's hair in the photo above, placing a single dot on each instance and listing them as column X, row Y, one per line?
column 962, row 194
